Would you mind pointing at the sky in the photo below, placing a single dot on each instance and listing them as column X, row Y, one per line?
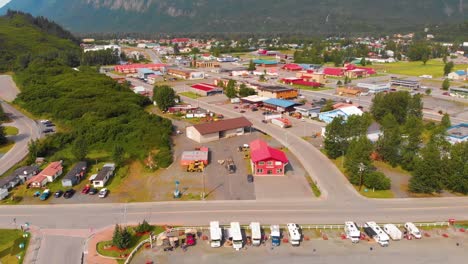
column 3, row 2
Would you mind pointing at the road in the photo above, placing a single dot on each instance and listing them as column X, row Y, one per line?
column 28, row 128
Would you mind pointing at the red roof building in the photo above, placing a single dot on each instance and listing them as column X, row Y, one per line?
column 205, row 89
column 334, row 71
column 267, row 161
column 49, row 174
column 181, row 40
column 292, row 67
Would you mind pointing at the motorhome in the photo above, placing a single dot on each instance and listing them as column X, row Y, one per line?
column 215, row 234
column 393, row 231
column 236, row 234
column 352, row 231
column 294, row 234
column 413, row 230
column 380, row 236
column 256, row 233
column 275, row 234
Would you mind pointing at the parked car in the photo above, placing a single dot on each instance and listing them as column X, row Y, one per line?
column 103, row 193
column 242, row 111
column 190, row 239
column 68, row 193
column 58, row 194
column 93, row 191
column 86, row 189
column 45, row 195
column 250, row 178
column 48, row 130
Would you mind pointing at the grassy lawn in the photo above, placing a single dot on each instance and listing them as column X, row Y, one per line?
column 303, row 87
column 313, row 186
column 416, row 68
column 388, row 167
column 11, row 131
column 9, row 246
column 5, row 148
column 135, row 240
column 191, row 95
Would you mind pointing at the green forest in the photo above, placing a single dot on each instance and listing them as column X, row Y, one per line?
column 90, row 108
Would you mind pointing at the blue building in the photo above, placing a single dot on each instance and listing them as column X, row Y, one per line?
column 143, row 73
column 345, row 112
column 457, row 133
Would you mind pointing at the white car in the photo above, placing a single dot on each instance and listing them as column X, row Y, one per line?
column 103, row 193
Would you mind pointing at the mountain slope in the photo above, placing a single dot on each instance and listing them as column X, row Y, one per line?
column 244, row 15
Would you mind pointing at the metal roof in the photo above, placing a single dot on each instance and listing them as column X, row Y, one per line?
column 222, row 125
column 280, row 102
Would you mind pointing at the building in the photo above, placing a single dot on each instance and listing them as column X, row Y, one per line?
column 374, row 87
column 301, row 82
column 292, row 67
column 265, row 63
column 189, row 157
column 279, row 105
column 19, row 176
column 356, row 73
column 115, row 48
column 308, row 110
column 348, row 91
column 458, row 75
column 458, row 92
column 186, row 74
column 133, row 68
column 374, row 132
column 207, row 64
column 205, row 89
column 457, row 133
column 75, row 175
column 143, row 73
column 208, row 132
column 278, row 92
column 99, row 180
column 345, row 112
column 254, row 100
column 312, row 76
column 49, row 174
column 413, row 84
column 267, row 161
column 335, row 72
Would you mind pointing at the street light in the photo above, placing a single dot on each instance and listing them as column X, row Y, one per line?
column 362, row 167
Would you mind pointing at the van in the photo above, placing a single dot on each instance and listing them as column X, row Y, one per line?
column 413, row 230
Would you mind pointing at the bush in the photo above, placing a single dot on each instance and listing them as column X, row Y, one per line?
column 377, row 180
column 163, row 158
column 143, row 227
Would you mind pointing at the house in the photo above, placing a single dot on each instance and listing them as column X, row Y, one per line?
column 205, row 89
column 458, row 75
column 345, row 112
column 19, row 176
column 267, row 161
column 213, row 131
column 49, row 174
column 308, row 110
column 278, row 92
column 75, row 175
column 186, row 74
column 3, row 194
column 279, row 105
column 374, row 132
column 457, row 133
column 312, row 76
column 103, row 175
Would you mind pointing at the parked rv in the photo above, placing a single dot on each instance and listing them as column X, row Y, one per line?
column 352, row 231
column 236, row 234
column 413, row 230
column 373, row 230
column 215, row 234
column 275, row 234
column 294, row 234
column 393, row 231
column 256, row 233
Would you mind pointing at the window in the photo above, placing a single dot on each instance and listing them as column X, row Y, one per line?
column 279, row 171
column 261, row 163
column 278, row 163
column 269, row 163
column 260, row 171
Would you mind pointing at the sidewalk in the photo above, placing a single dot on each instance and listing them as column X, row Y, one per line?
column 93, row 257
column 34, row 246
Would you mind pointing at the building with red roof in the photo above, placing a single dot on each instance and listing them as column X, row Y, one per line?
column 292, row 67
column 180, row 40
column 205, row 89
column 49, row 174
column 133, row 68
column 338, row 72
column 267, row 161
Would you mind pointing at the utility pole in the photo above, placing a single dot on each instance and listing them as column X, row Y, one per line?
column 362, row 167
column 203, row 193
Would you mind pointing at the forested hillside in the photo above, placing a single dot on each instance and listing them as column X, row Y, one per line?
column 91, row 108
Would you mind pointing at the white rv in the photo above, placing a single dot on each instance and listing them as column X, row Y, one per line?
column 413, row 230
column 377, row 233
column 393, row 231
column 236, row 234
column 352, row 231
column 256, row 233
column 294, row 234
column 275, row 234
column 215, row 234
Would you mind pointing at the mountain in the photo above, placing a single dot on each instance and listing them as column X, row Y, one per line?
column 306, row 16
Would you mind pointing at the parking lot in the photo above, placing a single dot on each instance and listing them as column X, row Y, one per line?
column 434, row 249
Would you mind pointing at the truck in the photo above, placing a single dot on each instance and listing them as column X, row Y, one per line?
column 352, row 231
column 272, row 116
column 413, row 230
column 256, row 233
column 374, row 231
column 215, row 234
column 275, row 234
column 236, row 234
column 281, row 122
column 230, row 166
column 294, row 234
column 393, row 231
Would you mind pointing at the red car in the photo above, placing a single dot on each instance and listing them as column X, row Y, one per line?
column 86, row 189
column 190, row 240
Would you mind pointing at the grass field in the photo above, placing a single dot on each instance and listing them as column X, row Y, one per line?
column 191, row 95
column 11, row 131
column 416, row 68
column 9, row 246
column 308, row 88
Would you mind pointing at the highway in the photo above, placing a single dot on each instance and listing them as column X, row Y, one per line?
column 28, row 129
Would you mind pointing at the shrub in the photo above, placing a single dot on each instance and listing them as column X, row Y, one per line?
column 377, row 180
column 143, row 227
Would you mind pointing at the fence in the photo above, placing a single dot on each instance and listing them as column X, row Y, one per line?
column 135, row 250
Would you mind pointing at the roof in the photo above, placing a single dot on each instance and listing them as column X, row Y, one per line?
column 79, row 168
column 222, row 125
column 266, row 62
column 461, row 72
column 145, row 70
column 459, row 131
column 351, row 110
column 255, row 98
column 292, row 66
column 204, row 87
column 275, row 88
column 280, row 102
column 188, row 156
column 103, row 173
column 260, row 151
column 52, row 169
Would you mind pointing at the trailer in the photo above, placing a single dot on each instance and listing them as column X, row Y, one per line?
column 413, row 230
column 256, row 233
column 393, row 231
column 216, row 234
column 236, row 235
column 281, row 122
column 352, row 231
column 377, row 233
column 268, row 117
column 294, row 234
column 275, row 234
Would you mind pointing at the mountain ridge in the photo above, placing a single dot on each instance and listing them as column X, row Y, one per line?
column 306, row 16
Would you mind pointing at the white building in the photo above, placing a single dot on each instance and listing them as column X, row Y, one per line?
column 375, row 87
column 103, row 47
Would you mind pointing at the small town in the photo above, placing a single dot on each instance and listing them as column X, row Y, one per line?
column 192, row 147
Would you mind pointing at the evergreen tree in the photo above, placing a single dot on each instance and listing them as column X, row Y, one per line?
column 336, row 138
column 415, row 106
column 428, row 171
column 445, row 122
column 448, row 67
column 389, row 143
column 446, row 84
column 126, row 239
column 118, row 155
column 33, row 149
column 410, row 143
column 251, row 66
column 80, row 148
column 363, row 61
column 164, row 96
column 358, row 162
column 457, row 180
column 117, row 236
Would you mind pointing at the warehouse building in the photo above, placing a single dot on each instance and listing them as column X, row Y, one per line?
column 208, row 132
column 279, row 105
column 205, row 89
column 278, row 92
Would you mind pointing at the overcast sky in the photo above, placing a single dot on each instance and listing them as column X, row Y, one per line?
column 3, row 2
